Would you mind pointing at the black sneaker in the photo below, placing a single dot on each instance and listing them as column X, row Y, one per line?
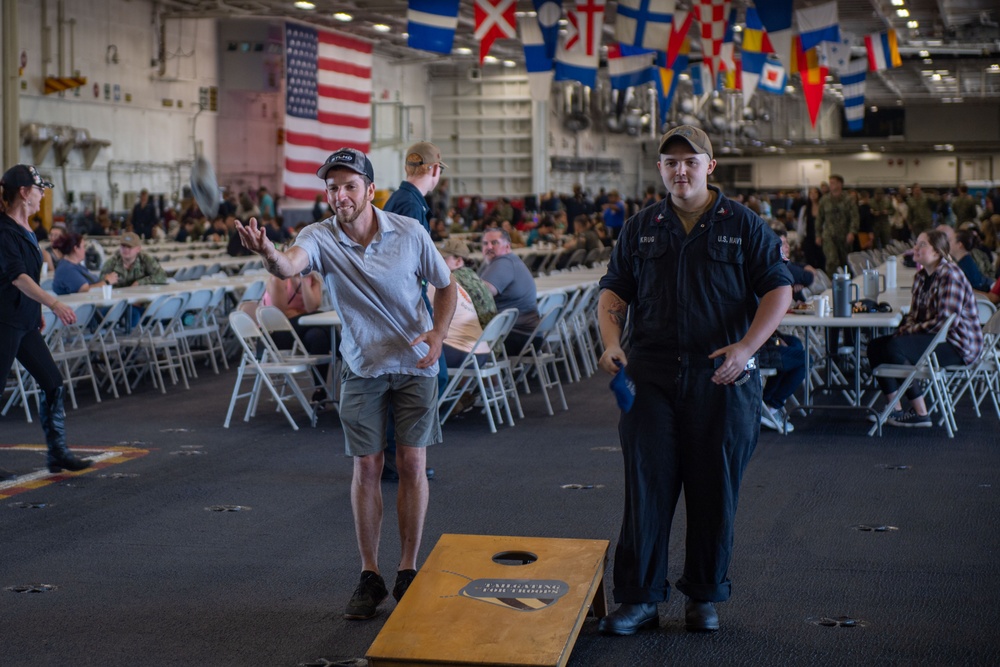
column 895, row 414
column 403, row 580
column 367, row 596
column 912, row 420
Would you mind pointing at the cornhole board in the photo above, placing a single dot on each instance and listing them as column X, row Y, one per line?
column 495, row 600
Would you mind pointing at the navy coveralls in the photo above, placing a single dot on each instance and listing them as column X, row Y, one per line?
column 689, row 295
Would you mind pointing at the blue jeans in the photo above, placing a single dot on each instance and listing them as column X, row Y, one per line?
column 792, row 373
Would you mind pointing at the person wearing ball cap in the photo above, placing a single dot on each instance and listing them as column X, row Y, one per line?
column 21, row 298
column 706, row 285
column 373, row 263
column 423, row 167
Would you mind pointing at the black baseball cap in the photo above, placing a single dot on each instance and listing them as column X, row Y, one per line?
column 348, row 158
column 24, row 176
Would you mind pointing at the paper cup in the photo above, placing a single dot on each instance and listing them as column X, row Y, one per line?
column 106, row 290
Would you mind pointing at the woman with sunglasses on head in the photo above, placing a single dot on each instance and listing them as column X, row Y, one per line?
column 940, row 289
column 21, row 192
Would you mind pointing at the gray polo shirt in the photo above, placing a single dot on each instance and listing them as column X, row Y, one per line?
column 377, row 290
column 515, row 289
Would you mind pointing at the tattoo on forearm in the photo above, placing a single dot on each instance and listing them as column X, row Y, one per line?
column 618, row 311
column 271, row 264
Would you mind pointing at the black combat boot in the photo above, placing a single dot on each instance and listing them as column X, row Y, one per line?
column 52, row 414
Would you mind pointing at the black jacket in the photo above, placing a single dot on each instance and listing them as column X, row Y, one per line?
column 692, row 294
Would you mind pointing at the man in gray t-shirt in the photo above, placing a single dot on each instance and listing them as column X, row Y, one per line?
column 373, row 264
column 511, row 284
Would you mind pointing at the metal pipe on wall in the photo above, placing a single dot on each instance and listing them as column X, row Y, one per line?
column 59, row 39
column 9, row 92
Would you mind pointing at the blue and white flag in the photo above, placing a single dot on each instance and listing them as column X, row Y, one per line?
column 629, row 66
column 852, row 81
column 538, row 64
column 835, row 55
column 773, row 78
column 644, row 23
column 549, row 13
column 431, row 24
column 818, row 24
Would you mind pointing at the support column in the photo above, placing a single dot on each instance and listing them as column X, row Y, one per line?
column 9, row 94
column 540, row 147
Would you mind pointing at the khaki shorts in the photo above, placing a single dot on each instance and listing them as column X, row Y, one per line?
column 365, row 405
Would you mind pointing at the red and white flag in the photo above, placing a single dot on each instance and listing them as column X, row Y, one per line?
column 495, row 19
column 714, row 17
column 327, row 104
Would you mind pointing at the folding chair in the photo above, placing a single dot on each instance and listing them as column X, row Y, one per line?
column 198, row 324
column 264, row 371
column 271, row 321
column 927, row 369
column 981, row 378
column 104, row 344
column 491, row 378
column 70, row 349
column 22, row 386
column 163, row 347
column 543, row 361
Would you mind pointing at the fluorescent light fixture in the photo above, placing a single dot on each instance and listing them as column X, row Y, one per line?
column 490, row 59
column 381, row 27
column 925, row 54
column 343, row 16
column 509, row 63
column 873, row 109
column 993, row 69
column 913, row 25
column 789, row 89
column 897, row 3
column 302, row 4
column 463, row 51
column 935, row 77
column 903, row 13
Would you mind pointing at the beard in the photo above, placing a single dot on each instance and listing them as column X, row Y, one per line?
column 347, row 216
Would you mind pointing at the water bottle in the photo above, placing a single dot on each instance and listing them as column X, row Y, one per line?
column 844, row 294
column 890, row 272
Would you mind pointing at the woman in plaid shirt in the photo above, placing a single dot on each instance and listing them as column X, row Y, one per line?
column 940, row 289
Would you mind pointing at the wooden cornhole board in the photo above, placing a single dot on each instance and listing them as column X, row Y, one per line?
column 464, row 608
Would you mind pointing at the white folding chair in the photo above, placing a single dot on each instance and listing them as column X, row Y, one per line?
column 491, row 378
column 271, row 321
column 542, row 361
column 22, row 386
column 199, row 325
column 264, row 371
column 981, row 378
column 925, row 369
column 104, row 344
column 70, row 350
column 162, row 346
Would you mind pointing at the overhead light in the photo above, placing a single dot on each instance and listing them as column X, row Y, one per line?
column 343, row 16
column 684, row 76
column 789, row 89
column 381, row 27
column 463, row 51
column 935, row 77
column 737, row 28
column 902, row 13
column 924, row 54
column 873, row 109
column 897, row 3
column 913, row 25
column 302, row 4
column 993, row 69
column 509, row 63
column 490, row 59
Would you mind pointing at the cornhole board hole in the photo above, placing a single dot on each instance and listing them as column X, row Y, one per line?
column 495, row 600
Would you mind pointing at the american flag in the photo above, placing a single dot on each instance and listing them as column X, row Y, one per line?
column 328, row 78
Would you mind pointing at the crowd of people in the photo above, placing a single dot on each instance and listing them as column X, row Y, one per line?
column 697, row 275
